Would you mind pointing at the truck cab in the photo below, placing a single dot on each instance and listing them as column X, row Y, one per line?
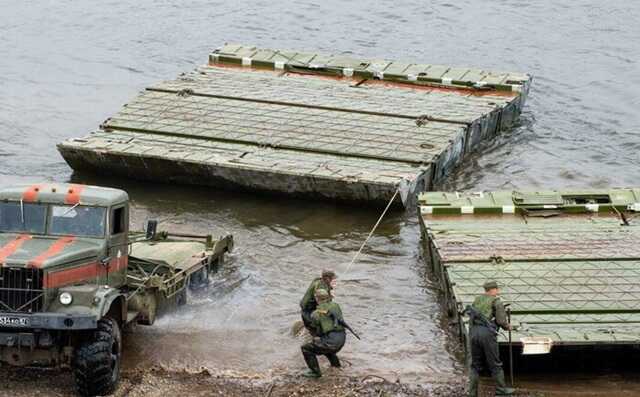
column 53, row 237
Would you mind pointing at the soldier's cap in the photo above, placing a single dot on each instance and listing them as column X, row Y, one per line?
column 321, row 295
column 490, row 285
column 330, row 274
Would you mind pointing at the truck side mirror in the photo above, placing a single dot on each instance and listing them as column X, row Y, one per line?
column 152, row 227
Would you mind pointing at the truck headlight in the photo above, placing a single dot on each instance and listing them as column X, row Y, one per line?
column 65, row 298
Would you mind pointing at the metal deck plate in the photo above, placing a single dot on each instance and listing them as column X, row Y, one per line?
column 370, row 96
column 566, row 237
column 551, row 287
column 288, row 127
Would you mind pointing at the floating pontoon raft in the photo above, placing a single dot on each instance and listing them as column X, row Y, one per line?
column 325, row 126
column 568, row 262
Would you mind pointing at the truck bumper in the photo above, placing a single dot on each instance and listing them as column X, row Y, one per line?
column 37, row 339
column 52, row 321
column 39, row 348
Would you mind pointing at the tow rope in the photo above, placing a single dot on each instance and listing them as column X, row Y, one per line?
column 372, row 230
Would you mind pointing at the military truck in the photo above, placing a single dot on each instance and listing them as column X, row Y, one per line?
column 73, row 277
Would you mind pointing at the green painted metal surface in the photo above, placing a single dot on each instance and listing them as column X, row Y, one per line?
column 287, row 122
column 340, row 65
column 172, row 253
column 322, row 93
column 278, row 126
column 568, row 261
column 515, row 202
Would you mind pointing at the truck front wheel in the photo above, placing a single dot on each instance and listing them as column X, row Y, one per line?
column 96, row 363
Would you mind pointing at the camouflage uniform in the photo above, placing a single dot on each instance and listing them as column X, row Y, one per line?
column 308, row 303
column 326, row 319
column 484, row 343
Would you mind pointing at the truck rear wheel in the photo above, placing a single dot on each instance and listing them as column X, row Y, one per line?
column 96, row 363
column 199, row 279
column 181, row 297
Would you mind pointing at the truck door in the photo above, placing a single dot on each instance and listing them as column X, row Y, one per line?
column 117, row 246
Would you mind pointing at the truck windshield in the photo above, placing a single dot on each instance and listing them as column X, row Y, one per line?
column 22, row 218
column 78, row 220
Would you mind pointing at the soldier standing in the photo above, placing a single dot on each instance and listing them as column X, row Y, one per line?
column 328, row 322
column 487, row 313
column 308, row 303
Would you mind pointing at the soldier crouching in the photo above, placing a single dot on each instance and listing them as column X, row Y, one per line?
column 327, row 320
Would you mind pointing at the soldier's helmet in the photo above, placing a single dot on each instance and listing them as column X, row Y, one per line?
column 328, row 274
column 321, row 295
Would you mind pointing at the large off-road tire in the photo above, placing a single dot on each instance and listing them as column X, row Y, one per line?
column 96, row 363
column 181, row 297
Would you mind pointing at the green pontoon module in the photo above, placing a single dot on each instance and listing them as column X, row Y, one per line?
column 568, row 261
column 304, row 124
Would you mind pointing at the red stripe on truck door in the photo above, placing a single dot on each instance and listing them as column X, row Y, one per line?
column 89, row 271
column 71, row 276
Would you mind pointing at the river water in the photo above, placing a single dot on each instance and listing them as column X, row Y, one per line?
column 65, row 66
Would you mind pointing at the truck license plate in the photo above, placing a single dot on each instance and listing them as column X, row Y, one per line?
column 14, row 321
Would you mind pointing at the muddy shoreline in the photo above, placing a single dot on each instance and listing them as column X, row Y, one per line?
column 159, row 381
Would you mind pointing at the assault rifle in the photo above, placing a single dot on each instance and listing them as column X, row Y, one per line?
column 477, row 317
column 346, row 326
column 339, row 321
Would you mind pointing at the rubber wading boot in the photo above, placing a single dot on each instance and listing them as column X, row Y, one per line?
column 501, row 385
column 474, row 379
column 334, row 360
column 312, row 374
column 312, row 363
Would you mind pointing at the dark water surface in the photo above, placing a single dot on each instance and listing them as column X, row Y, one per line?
column 65, row 66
